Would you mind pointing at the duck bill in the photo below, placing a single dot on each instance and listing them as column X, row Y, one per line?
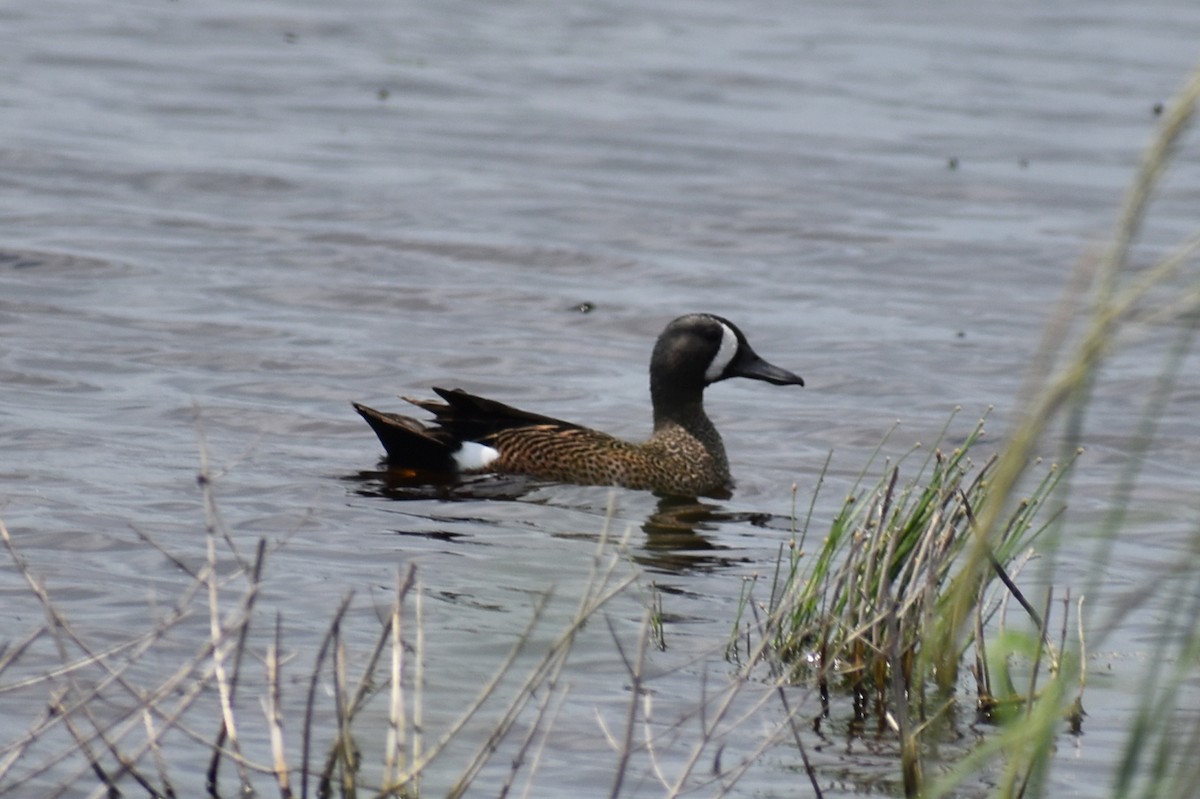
column 749, row 364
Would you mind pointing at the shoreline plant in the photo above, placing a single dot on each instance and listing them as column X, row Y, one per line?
column 855, row 616
column 898, row 594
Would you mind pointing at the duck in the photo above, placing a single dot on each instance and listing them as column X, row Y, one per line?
column 684, row 455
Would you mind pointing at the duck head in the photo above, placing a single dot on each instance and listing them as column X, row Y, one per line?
column 697, row 350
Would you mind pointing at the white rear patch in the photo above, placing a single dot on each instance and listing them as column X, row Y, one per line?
column 472, row 456
column 728, row 348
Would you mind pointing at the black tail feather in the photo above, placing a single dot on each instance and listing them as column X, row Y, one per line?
column 409, row 443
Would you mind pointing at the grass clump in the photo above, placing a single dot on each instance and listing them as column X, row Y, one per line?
column 860, row 606
column 855, row 616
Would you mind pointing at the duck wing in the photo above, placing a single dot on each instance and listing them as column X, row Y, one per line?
column 467, row 417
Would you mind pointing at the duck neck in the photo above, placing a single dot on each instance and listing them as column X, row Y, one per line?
column 682, row 407
column 676, row 401
column 690, row 416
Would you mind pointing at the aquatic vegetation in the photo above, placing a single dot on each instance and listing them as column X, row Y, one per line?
column 857, row 615
column 912, row 593
column 104, row 722
column 164, row 711
column 891, row 605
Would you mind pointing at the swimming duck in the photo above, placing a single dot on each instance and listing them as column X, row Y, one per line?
column 683, row 457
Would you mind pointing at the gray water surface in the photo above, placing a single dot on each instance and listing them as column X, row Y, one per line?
column 222, row 222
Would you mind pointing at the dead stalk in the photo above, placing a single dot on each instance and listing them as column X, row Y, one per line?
column 274, row 716
column 634, row 669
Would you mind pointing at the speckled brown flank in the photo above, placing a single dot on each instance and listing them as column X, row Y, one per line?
column 672, row 462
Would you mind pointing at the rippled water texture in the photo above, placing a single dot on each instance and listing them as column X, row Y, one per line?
column 222, row 221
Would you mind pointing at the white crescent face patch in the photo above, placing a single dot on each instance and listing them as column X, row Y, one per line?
column 725, row 353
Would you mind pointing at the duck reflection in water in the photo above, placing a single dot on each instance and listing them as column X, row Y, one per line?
column 678, row 532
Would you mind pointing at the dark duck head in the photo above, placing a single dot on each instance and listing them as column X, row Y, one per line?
column 695, row 351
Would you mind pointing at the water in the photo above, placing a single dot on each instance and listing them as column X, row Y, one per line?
column 224, row 221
